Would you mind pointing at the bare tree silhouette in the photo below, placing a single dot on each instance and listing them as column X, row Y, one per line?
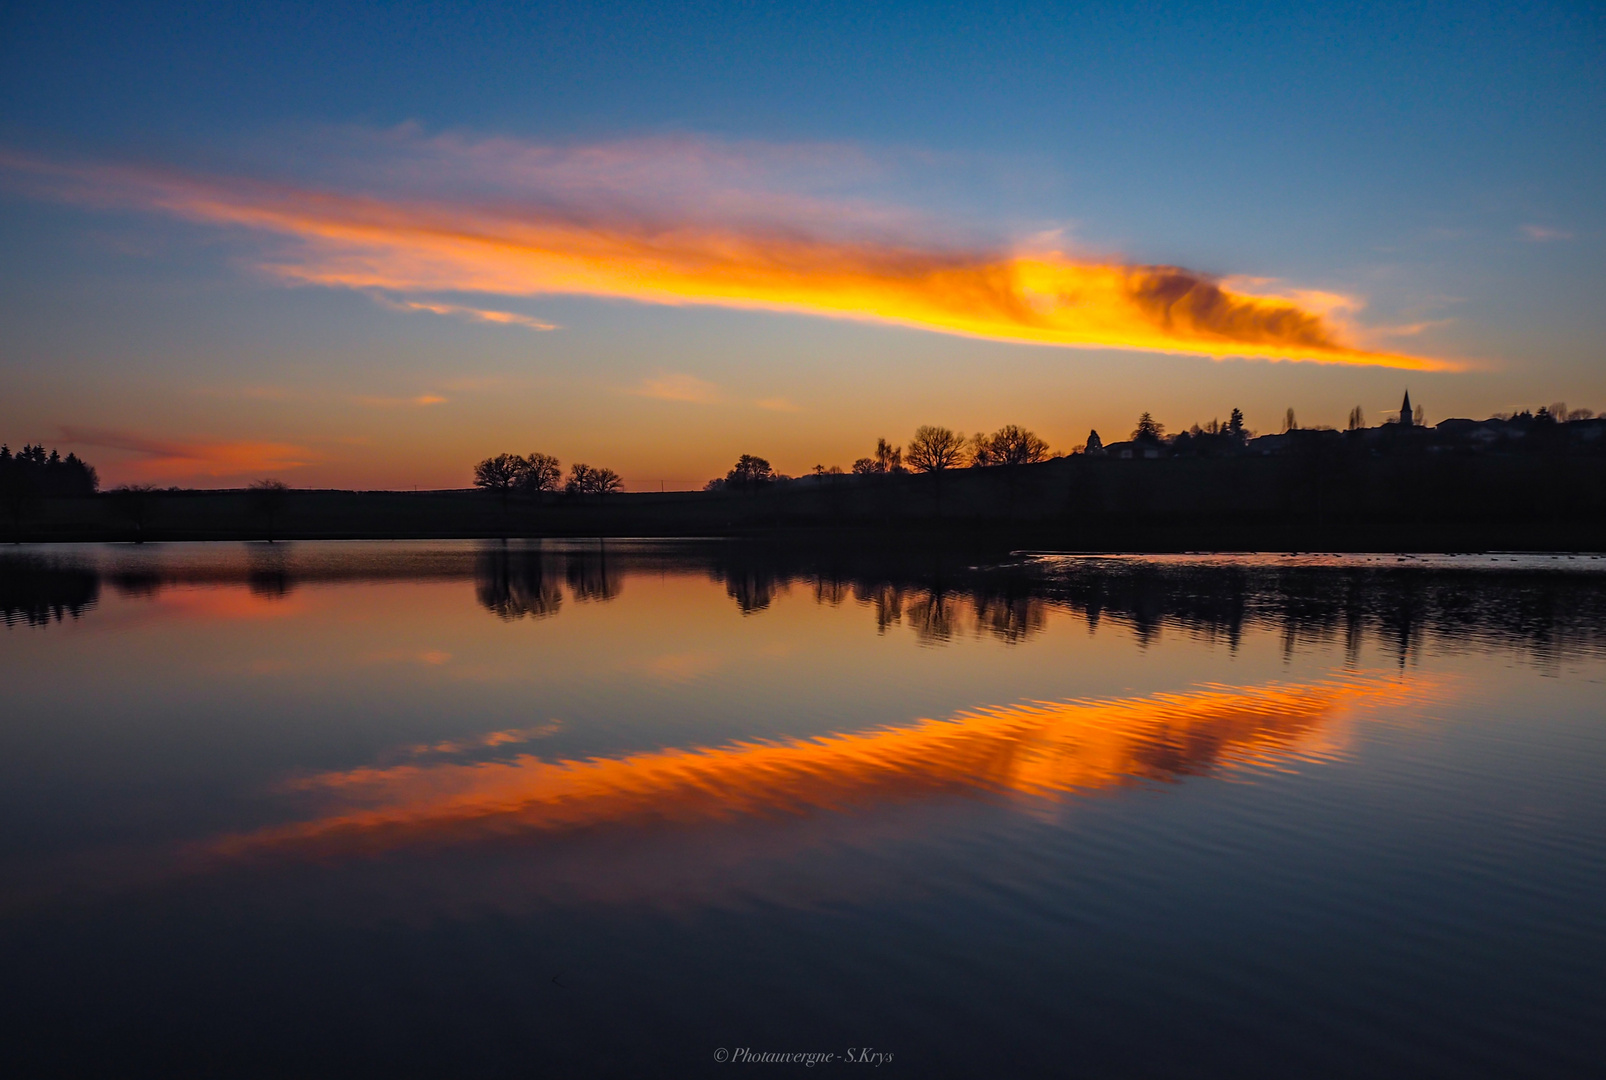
column 935, row 449
column 1009, row 445
column 500, row 474
column 579, row 482
column 586, row 480
column 886, row 459
column 267, row 499
column 540, row 472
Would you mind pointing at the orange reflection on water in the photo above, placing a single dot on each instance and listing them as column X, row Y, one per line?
column 202, row 603
column 1039, row 749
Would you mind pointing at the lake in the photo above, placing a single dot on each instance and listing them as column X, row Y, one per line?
column 570, row 808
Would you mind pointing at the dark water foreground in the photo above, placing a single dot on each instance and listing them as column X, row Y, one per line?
column 473, row 809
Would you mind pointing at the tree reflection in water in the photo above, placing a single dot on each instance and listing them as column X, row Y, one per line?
column 36, row 591
column 1546, row 611
column 513, row 583
column 1534, row 603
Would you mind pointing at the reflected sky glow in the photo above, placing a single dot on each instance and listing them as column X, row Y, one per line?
column 1034, row 749
column 250, row 794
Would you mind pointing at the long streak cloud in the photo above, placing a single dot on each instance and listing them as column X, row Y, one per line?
column 542, row 231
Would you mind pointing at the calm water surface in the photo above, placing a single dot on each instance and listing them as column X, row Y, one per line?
column 474, row 809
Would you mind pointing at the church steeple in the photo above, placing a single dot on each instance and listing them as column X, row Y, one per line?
column 1406, row 417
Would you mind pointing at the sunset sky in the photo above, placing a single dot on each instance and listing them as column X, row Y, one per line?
column 366, row 245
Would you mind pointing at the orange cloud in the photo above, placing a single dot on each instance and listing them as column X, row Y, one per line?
column 776, row 404
column 1041, row 749
column 1410, row 329
column 686, row 388
column 503, row 318
column 490, row 740
column 418, row 400
column 771, row 251
column 165, row 459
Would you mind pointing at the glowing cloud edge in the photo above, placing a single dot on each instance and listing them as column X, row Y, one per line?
column 408, row 245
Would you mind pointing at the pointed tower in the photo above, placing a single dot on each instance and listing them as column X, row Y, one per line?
column 1406, row 419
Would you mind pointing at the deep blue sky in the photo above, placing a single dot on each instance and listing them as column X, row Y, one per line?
column 1444, row 162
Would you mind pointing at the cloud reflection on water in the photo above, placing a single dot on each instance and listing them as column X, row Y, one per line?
column 1033, row 750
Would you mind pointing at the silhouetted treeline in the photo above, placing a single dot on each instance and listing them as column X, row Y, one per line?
column 932, row 450
column 1282, row 502
column 32, row 475
column 1549, row 430
column 1527, row 480
column 33, row 472
column 748, row 474
column 536, row 474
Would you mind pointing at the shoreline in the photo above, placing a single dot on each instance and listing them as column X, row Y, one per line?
column 1428, row 503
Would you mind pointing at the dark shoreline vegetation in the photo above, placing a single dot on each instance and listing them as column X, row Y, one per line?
column 1285, row 503
column 1550, row 609
column 1526, row 481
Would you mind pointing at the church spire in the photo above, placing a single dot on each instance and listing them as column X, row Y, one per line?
column 1406, row 417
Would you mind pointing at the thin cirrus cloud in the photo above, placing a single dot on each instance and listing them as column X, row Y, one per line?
column 679, row 222
column 417, row 401
column 690, row 390
column 501, row 318
column 1540, row 234
column 679, row 387
column 1411, row 329
column 165, row 458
